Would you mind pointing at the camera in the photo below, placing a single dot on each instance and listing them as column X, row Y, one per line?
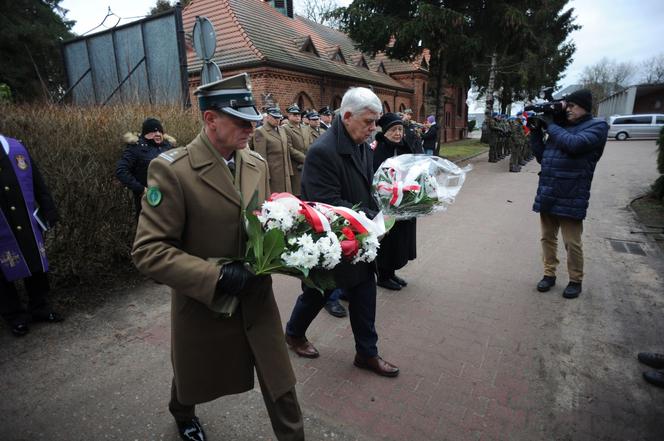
column 550, row 107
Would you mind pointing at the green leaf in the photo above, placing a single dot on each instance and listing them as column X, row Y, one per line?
column 255, row 234
column 273, row 246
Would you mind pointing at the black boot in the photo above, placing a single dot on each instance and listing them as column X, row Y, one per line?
column 546, row 283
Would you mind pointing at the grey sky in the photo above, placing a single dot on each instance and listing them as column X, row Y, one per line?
column 621, row 30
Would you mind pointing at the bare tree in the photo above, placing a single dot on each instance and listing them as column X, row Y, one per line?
column 652, row 69
column 607, row 77
column 318, row 11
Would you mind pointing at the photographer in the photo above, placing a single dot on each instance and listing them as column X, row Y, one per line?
column 568, row 159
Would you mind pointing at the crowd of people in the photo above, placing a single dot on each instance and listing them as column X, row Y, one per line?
column 186, row 195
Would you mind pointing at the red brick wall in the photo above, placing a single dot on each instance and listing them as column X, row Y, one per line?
column 287, row 86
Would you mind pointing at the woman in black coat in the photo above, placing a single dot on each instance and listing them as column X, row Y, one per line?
column 399, row 245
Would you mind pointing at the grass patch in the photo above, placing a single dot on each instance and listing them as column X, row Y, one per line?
column 458, row 150
column 650, row 212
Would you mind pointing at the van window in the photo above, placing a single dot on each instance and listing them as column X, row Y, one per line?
column 660, row 120
column 634, row 120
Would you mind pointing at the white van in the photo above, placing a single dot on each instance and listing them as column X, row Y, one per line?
column 636, row 126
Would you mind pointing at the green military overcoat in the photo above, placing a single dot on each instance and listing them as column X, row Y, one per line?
column 298, row 143
column 273, row 146
column 178, row 240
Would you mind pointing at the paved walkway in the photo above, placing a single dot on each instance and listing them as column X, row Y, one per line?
column 483, row 355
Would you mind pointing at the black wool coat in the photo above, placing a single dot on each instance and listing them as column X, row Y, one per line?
column 339, row 172
column 399, row 245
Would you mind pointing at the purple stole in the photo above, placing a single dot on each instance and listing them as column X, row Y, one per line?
column 12, row 262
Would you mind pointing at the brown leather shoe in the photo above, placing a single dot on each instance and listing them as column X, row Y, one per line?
column 376, row 364
column 302, row 347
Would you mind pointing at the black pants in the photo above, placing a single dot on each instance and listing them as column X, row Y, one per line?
column 10, row 305
column 361, row 310
column 285, row 414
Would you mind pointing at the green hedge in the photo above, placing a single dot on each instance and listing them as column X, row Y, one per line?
column 76, row 149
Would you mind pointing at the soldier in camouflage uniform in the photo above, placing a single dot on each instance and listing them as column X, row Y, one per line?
column 492, row 137
column 517, row 145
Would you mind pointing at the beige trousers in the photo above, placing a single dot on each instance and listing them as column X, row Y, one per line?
column 571, row 230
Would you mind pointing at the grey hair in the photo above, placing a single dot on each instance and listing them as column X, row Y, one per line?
column 357, row 99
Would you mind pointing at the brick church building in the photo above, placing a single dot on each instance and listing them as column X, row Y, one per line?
column 294, row 60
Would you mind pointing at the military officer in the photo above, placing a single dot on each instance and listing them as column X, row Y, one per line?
column 271, row 142
column 224, row 321
column 297, row 145
column 26, row 211
column 325, row 117
column 315, row 127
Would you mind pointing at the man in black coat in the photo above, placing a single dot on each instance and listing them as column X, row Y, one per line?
column 26, row 211
column 338, row 170
column 132, row 168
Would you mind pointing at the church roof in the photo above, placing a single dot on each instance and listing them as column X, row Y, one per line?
column 252, row 33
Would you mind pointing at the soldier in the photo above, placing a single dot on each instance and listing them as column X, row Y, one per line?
column 190, row 222
column 26, row 212
column 271, row 142
column 297, row 145
column 325, row 117
column 492, row 136
column 515, row 139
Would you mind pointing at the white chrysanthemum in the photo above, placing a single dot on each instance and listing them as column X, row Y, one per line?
column 305, row 256
column 281, row 214
column 368, row 249
column 330, row 250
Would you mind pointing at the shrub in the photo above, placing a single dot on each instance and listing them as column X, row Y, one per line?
column 76, row 149
column 471, row 125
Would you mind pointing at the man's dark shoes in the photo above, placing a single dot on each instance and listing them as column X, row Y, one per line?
column 399, row 280
column 572, row 291
column 389, row 284
column 336, row 309
column 546, row 283
column 376, row 364
column 652, row 359
column 46, row 316
column 19, row 329
column 302, row 347
column 191, row 430
column 654, row 377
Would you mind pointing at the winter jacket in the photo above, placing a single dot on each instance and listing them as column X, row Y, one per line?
column 568, row 160
column 132, row 168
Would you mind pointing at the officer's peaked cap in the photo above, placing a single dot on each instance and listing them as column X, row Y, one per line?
column 231, row 96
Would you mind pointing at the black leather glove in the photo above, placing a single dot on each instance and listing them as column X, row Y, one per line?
column 232, row 278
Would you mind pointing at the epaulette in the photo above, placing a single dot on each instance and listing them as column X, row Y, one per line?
column 174, row 155
column 256, row 155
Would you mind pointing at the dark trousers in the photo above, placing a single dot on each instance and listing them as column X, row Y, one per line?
column 361, row 310
column 37, row 288
column 285, row 413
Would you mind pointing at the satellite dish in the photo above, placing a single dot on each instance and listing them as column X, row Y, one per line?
column 210, row 72
column 204, row 38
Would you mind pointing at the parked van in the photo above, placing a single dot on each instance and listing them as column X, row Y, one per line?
column 636, row 126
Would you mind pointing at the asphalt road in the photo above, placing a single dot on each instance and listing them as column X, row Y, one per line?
column 483, row 354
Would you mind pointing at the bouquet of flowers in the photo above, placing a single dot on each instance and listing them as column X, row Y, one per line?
column 408, row 186
column 308, row 239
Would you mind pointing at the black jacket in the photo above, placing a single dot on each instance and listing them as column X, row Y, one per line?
column 132, row 168
column 399, row 245
column 339, row 172
column 430, row 138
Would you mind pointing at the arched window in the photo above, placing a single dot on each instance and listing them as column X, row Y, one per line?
column 422, row 112
column 386, row 107
column 402, row 107
column 304, row 101
column 336, row 102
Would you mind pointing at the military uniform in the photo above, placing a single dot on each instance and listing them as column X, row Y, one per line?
column 492, row 138
column 272, row 144
column 191, row 218
column 297, row 149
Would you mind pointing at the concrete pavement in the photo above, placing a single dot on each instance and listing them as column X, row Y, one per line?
column 483, row 355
